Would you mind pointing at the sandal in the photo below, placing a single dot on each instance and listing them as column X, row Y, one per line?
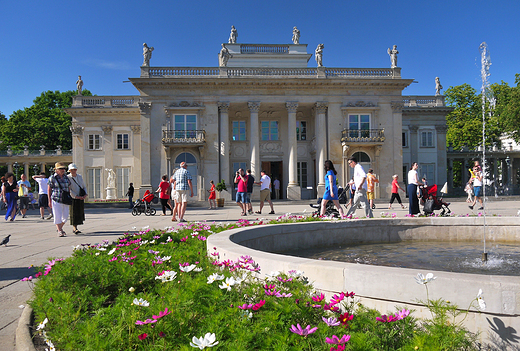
column 62, row 233
column 77, row 231
column 174, row 219
column 258, row 212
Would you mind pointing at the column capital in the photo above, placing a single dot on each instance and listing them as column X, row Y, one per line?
column 413, row 128
column 397, row 106
column 136, row 129
column 223, row 106
column 145, row 107
column 321, row 106
column 107, row 129
column 76, row 129
column 253, row 106
column 441, row 128
column 292, row 106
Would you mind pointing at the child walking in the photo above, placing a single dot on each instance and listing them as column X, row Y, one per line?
column 212, row 196
column 395, row 192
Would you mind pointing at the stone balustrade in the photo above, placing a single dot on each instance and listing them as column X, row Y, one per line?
column 264, row 48
column 105, row 101
column 184, row 137
column 424, row 101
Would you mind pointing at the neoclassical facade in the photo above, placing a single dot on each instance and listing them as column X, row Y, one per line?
column 263, row 108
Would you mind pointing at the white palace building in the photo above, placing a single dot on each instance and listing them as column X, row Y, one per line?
column 262, row 108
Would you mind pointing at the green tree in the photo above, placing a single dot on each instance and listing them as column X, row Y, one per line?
column 44, row 123
column 509, row 111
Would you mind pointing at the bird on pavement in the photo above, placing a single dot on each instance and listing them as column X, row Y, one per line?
column 5, row 241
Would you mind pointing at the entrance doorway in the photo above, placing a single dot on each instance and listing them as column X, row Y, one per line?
column 192, row 167
column 274, row 169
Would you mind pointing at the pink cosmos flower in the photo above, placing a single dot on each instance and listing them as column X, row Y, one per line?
column 318, row 298
column 337, row 341
column 245, row 306
column 338, row 348
column 269, row 286
column 162, row 335
column 402, row 314
column 257, row 306
column 162, row 314
column 331, row 322
column 271, row 292
column 386, row 319
column 142, row 336
column 337, row 299
column 345, row 317
column 303, row 332
column 284, row 280
column 283, row 295
column 148, row 321
column 331, row 308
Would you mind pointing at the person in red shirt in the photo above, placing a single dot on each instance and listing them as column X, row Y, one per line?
column 241, row 197
column 212, row 196
column 395, row 192
column 164, row 194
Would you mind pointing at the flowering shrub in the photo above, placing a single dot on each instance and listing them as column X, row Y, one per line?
column 162, row 290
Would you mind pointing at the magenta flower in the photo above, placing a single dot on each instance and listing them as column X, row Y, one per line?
column 271, row 292
column 283, row 294
column 162, row 314
column 303, row 332
column 338, row 348
column 337, row 341
column 148, row 321
column 257, row 306
column 386, row 319
column 331, row 322
column 345, row 318
column 245, row 306
column 318, row 298
column 331, row 308
column 269, row 286
column 402, row 314
column 142, row 336
column 337, row 299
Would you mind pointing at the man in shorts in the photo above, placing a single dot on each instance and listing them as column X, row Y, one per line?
column 371, row 184
column 43, row 197
column 241, row 196
column 24, row 194
column 265, row 192
column 182, row 184
column 250, row 183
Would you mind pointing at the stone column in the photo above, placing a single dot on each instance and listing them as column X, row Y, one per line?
column 441, row 154
column 450, row 175
column 108, row 147
column 321, row 143
column 223, row 107
column 146, row 182
column 254, row 142
column 78, row 147
column 414, row 143
column 26, row 170
column 293, row 188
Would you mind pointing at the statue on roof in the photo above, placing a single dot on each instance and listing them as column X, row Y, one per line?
column 224, row 56
column 318, row 53
column 295, row 35
column 393, row 56
column 79, row 85
column 233, row 36
column 438, row 86
column 147, row 54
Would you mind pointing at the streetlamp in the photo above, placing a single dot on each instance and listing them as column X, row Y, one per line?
column 16, row 168
column 36, row 169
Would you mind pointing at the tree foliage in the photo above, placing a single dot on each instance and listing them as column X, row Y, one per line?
column 509, row 110
column 44, row 123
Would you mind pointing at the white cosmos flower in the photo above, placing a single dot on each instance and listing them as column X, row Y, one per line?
column 141, row 302
column 421, row 279
column 42, row 324
column 215, row 276
column 167, row 276
column 145, row 228
column 207, row 341
column 198, row 269
column 228, row 283
column 112, row 251
column 131, row 289
column 273, row 275
column 101, row 249
column 165, row 258
column 188, row 268
column 481, row 302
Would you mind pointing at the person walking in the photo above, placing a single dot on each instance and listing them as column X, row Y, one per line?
column 164, row 190
column 477, row 187
column 265, row 192
column 130, row 194
column 331, row 189
column 360, row 196
column 174, row 198
column 371, row 184
column 241, row 196
column 59, row 184
column 182, row 184
column 43, row 197
column 212, row 197
column 9, row 192
column 413, row 183
column 276, row 184
column 78, row 192
column 250, row 183
column 24, row 187
column 395, row 192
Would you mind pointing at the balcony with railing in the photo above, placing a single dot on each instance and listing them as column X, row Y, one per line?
column 105, row 101
column 184, row 137
column 423, row 101
column 364, row 137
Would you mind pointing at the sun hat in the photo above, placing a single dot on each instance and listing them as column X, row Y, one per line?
column 73, row 166
column 183, row 164
column 60, row 165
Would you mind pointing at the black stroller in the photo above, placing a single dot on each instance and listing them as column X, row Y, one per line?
column 432, row 202
column 144, row 205
column 330, row 209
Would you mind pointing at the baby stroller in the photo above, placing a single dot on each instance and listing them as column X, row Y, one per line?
column 330, row 209
column 144, row 205
column 432, row 202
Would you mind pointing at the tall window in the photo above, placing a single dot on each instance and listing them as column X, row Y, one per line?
column 301, row 130
column 427, row 170
column 405, row 139
column 359, row 126
column 302, row 174
column 269, row 130
column 185, row 126
column 94, row 142
column 122, row 142
column 239, row 130
column 94, row 182
column 123, row 181
column 427, row 138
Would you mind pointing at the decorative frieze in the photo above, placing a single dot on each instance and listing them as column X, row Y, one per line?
column 271, row 148
column 360, row 103
column 413, row 128
column 186, row 104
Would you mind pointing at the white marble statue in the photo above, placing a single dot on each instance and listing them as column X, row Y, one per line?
column 111, row 179
column 393, row 56
column 233, row 36
column 319, row 54
column 79, row 85
column 438, row 86
column 147, row 54
column 224, row 56
column 295, row 36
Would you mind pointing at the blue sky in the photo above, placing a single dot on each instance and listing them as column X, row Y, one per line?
column 47, row 44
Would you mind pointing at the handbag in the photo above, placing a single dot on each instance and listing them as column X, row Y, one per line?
column 65, row 197
column 82, row 191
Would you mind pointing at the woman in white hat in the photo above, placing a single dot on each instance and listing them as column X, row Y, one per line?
column 78, row 192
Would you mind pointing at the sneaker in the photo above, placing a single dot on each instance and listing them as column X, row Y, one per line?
column 272, row 212
column 42, row 217
column 250, row 211
column 182, row 220
column 24, row 216
column 259, row 212
column 470, row 207
column 50, row 216
column 481, row 208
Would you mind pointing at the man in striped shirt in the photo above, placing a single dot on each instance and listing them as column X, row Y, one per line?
column 182, row 183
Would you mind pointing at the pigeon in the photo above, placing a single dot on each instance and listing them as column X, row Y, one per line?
column 5, row 241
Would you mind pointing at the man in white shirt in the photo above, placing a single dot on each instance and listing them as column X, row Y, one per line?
column 360, row 196
column 265, row 192
column 43, row 199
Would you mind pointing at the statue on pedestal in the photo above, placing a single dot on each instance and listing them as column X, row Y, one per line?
column 295, row 36
column 79, row 85
column 393, row 56
column 111, row 179
column 233, row 36
column 147, row 54
column 438, row 86
column 224, row 56
column 319, row 54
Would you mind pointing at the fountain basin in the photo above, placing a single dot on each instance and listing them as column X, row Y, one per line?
column 386, row 287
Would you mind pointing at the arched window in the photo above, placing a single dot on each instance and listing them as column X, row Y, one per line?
column 192, row 167
column 185, row 157
column 361, row 157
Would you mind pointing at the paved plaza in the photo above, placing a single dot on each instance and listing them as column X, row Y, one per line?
column 33, row 241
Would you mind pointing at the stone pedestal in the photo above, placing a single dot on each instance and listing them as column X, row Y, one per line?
column 294, row 192
column 111, row 193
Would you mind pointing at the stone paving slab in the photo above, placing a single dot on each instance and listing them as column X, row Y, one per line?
column 34, row 241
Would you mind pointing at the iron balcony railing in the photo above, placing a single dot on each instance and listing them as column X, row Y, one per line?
column 194, row 137
column 363, row 136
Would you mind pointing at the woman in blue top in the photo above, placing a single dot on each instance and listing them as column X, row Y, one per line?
column 331, row 189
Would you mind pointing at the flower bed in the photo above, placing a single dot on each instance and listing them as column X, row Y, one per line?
column 162, row 290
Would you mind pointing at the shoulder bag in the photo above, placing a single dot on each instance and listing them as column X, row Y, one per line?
column 82, row 191
column 65, row 197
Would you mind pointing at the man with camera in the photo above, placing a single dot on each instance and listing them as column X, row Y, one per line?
column 241, row 197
